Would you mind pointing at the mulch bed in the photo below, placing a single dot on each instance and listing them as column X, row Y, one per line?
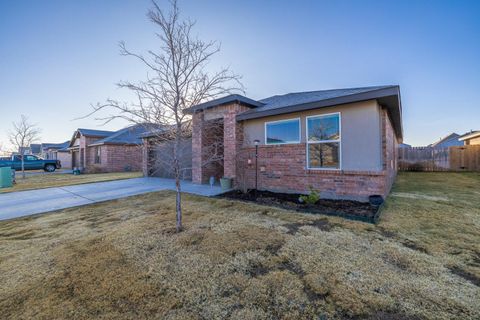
column 344, row 208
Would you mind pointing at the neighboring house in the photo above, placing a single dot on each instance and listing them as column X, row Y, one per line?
column 449, row 141
column 34, row 149
column 107, row 151
column 49, row 150
column 404, row 145
column 470, row 138
column 341, row 142
column 57, row 151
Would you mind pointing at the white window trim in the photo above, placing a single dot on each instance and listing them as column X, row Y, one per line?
column 307, row 143
column 279, row 121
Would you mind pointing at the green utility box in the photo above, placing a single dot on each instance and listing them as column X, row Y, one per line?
column 5, row 177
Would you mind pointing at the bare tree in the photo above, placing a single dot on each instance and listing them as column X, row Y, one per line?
column 177, row 79
column 22, row 135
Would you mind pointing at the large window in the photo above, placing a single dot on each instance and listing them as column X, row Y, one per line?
column 323, row 141
column 283, row 131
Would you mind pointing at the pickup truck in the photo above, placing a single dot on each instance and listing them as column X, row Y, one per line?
column 30, row 163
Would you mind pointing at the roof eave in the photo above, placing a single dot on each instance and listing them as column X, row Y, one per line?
column 114, row 143
column 380, row 94
column 235, row 98
column 469, row 136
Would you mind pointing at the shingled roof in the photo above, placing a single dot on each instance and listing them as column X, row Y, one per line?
column 129, row 135
column 46, row 146
column 388, row 96
column 95, row 133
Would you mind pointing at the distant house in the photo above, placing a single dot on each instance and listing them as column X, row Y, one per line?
column 404, row 145
column 470, row 138
column 107, row 151
column 449, row 141
column 49, row 150
column 34, row 149
column 57, row 151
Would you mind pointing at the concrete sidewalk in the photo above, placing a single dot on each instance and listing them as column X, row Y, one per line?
column 25, row 203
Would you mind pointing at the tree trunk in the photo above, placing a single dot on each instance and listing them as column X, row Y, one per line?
column 176, row 169
column 178, row 203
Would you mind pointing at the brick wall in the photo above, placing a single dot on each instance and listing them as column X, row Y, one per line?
column 281, row 168
column 146, row 163
column 390, row 152
column 115, row 158
column 197, row 142
column 232, row 140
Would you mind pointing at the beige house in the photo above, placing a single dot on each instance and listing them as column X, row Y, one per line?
column 471, row 138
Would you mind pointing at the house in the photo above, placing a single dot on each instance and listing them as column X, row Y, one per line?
column 341, row 142
column 449, row 141
column 49, row 150
column 57, row 151
column 107, row 151
column 34, row 149
column 470, row 138
column 404, row 145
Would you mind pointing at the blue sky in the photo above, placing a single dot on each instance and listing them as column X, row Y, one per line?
column 57, row 57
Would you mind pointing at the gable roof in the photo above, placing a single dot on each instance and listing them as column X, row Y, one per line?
column 451, row 136
column 130, row 135
column 224, row 100
column 470, row 135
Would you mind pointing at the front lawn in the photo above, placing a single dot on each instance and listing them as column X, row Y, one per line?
column 48, row 180
column 122, row 259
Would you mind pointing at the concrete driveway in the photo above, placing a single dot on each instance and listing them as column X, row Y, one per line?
column 25, row 203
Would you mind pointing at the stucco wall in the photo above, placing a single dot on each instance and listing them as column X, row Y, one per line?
column 473, row 141
column 361, row 133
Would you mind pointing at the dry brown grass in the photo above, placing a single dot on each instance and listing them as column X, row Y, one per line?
column 122, row 259
column 48, row 180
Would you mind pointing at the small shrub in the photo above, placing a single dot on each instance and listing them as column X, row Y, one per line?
column 311, row 198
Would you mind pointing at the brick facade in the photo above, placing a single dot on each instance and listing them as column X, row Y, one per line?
column 232, row 141
column 282, row 168
column 390, row 151
column 114, row 158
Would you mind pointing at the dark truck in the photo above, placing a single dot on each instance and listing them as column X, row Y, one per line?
column 30, row 163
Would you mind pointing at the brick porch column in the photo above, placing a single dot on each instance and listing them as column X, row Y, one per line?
column 232, row 139
column 197, row 142
column 145, row 159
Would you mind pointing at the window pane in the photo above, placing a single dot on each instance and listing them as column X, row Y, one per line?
column 324, row 155
column 283, row 132
column 324, row 128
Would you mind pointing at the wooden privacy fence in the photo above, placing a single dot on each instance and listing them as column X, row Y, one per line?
column 463, row 158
